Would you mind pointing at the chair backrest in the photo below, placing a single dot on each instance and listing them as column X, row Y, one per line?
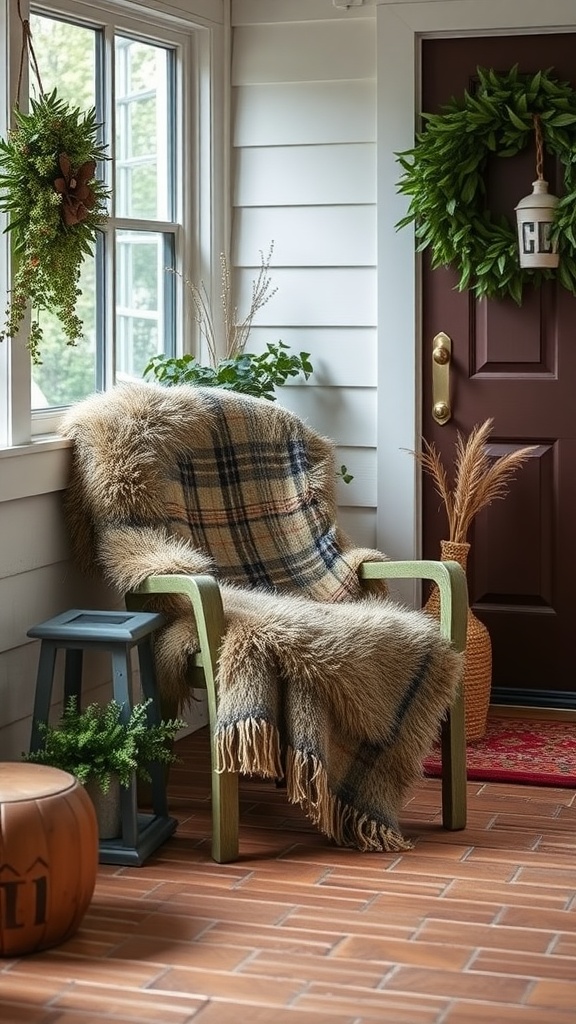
column 240, row 479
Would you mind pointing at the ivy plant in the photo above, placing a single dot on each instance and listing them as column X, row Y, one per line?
column 56, row 204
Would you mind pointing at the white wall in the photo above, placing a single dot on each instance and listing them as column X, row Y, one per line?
column 304, row 175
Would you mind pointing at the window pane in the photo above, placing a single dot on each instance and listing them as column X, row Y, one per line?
column 68, row 372
column 142, row 126
column 66, row 56
column 143, row 298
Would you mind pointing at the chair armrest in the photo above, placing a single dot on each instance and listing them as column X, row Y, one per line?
column 203, row 592
column 452, row 586
column 453, row 589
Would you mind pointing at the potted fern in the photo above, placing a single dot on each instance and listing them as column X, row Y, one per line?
column 106, row 748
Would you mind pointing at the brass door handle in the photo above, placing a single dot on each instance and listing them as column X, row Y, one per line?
column 441, row 359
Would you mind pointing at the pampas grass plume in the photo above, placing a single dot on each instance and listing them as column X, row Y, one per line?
column 478, row 479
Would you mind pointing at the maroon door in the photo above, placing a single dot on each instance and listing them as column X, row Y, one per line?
column 517, row 365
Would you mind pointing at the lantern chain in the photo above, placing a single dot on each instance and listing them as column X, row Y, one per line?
column 539, row 147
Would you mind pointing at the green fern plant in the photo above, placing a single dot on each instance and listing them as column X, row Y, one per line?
column 100, row 742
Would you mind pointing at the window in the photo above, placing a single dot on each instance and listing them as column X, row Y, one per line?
column 137, row 252
column 146, row 79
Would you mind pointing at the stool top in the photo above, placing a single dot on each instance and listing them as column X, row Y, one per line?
column 20, row 781
column 85, row 624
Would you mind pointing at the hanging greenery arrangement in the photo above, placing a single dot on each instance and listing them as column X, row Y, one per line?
column 444, row 176
column 56, row 205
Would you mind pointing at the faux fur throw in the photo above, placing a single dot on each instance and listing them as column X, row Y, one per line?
column 320, row 681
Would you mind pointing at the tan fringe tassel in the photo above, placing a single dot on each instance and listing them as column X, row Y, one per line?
column 307, row 785
column 250, row 746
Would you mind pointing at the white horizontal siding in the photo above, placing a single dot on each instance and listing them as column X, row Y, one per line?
column 337, row 353
column 305, row 113
column 32, row 547
column 359, row 524
column 315, row 297
column 309, row 236
column 305, row 175
column 347, row 415
column 286, row 53
column 33, row 596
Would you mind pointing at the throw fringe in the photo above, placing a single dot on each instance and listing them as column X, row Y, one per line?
column 307, row 785
column 252, row 747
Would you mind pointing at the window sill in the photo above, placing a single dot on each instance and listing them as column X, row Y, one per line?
column 36, row 468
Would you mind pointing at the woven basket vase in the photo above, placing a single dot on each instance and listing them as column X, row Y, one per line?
column 478, row 656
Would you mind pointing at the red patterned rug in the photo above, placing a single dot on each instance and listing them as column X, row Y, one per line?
column 542, row 753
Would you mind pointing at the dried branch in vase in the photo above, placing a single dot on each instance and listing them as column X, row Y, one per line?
column 478, row 479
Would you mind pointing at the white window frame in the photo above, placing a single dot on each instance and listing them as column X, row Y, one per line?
column 201, row 156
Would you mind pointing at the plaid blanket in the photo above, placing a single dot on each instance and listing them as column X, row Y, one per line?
column 319, row 681
column 257, row 494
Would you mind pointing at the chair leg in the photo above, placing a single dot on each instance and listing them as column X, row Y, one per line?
column 225, row 814
column 454, row 766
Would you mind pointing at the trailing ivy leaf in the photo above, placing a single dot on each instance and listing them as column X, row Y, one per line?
column 563, row 119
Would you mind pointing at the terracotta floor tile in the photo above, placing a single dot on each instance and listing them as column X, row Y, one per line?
column 393, row 951
column 401, row 926
column 565, row 945
column 58, row 966
column 167, row 951
column 493, row 937
column 382, row 1006
column 561, row 878
column 528, row 964
column 558, row 994
column 459, row 984
column 271, row 992
column 146, row 1006
column 552, row 920
column 462, row 1012
column 431, row 867
column 218, row 1012
column 514, row 894
column 282, row 938
column 312, row 967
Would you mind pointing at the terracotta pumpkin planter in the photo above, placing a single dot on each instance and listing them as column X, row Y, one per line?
column 48, row 856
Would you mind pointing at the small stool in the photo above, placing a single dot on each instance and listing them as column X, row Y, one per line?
column 77, row 631
column 48, row 856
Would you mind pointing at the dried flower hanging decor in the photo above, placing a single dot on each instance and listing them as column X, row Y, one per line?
column 55, row 204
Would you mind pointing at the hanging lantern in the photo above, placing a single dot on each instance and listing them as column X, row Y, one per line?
column 535, row 216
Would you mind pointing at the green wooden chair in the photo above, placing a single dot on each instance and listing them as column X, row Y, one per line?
column 165, row 501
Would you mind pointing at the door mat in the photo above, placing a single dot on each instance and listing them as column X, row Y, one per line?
column 542, row 753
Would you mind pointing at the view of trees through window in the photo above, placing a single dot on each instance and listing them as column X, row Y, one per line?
column 127, row 296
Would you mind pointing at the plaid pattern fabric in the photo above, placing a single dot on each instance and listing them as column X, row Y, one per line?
column 246, row 496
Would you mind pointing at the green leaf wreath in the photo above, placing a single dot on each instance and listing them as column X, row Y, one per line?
column 55, row 204
column 444, row 176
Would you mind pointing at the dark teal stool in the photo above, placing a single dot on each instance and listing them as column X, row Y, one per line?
column 76, row 631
